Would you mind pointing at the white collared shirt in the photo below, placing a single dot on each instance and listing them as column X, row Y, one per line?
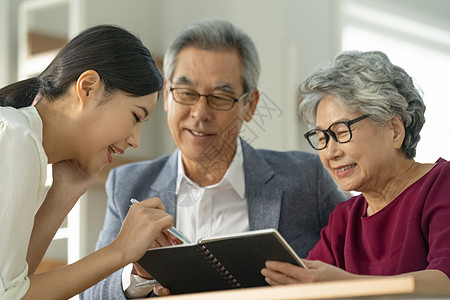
column 207, row 211
column 216, row 209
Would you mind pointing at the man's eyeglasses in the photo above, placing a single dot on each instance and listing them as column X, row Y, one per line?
column 339, row 131
column 215, row 101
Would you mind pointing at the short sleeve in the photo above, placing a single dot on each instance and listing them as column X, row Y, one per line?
column 435, row 218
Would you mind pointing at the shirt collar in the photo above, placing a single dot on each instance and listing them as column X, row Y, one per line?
column 234, row 175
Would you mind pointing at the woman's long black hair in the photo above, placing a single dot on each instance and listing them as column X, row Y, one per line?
column 118, row 56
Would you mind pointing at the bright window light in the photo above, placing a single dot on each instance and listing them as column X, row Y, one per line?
column 422, row 50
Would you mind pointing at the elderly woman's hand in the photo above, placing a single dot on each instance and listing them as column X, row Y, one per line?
column 280, row 273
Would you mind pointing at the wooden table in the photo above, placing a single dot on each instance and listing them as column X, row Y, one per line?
column 379, row 288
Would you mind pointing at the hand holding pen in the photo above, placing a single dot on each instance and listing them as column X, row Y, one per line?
column 177, row 233
column 138, row 270
column 140, row 229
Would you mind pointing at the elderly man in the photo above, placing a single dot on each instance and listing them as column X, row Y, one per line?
column 216, row 183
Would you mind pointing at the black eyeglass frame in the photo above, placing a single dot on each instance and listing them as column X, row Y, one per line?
column 206, row 97
column 328, row 132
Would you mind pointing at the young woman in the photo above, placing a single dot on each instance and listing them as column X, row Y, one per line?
column 87, row 106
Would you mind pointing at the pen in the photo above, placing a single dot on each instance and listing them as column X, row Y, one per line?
column 146, row 283
column 172, row 230
column 179, row 235
column 133, row 201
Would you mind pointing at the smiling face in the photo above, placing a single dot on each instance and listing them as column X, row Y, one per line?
column 111, row 127
column 362, row 164
column 199, row 131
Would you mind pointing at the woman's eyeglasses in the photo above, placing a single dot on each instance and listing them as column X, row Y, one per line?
column 339, row 131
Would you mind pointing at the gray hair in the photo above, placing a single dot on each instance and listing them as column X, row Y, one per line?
column 217, row 35
column 369, row 83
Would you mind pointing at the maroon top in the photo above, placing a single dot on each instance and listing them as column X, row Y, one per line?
column 411, row 233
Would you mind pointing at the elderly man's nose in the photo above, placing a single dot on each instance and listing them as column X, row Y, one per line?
column 201, row 109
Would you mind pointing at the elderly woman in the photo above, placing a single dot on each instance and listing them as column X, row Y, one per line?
column 368, row 116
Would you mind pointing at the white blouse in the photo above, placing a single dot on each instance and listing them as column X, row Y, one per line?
column 23, row 171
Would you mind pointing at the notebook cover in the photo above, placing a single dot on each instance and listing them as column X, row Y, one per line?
column 186, row 268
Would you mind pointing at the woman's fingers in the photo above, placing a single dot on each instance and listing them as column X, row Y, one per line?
column 142, row 228
column 278, row 273
column 317, row 271
column 152, row 203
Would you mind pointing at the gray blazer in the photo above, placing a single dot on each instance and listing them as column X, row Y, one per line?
column 289, row 191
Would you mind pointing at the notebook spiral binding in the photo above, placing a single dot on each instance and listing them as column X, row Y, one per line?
column 219, row 267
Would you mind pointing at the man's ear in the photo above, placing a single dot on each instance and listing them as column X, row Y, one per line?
column 88, row 87
column 398, row 131
column 252, row 104
column 166, row 94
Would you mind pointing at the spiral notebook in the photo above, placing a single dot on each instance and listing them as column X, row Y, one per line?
column 218, row 263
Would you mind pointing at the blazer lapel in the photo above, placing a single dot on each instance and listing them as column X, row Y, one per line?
column 263, row 195
column 164, row 186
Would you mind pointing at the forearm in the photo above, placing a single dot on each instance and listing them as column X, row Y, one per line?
column 77, row 277
column 48, row 219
